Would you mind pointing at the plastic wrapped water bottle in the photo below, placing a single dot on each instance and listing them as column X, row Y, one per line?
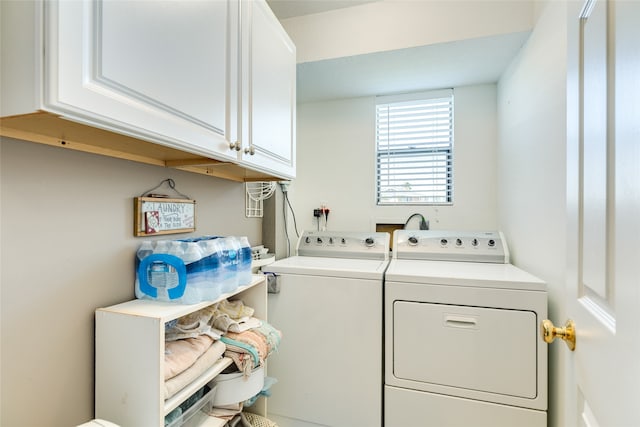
column 206, row 271
column 244, row 261
column 160, row 274
column 176, row 249
column 193, row 269
column 159, row 278
column 145, row 249
column 161, row 247
column 196, row 280
column 192, row 253
column 229, row 264
column 211, row 246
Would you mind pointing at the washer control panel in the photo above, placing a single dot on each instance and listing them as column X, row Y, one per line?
column 344, row 244
column 438, row 245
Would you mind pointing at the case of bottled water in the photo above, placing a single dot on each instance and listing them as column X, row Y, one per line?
column 192, row 270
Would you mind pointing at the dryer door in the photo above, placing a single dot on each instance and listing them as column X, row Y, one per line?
column 473, row 348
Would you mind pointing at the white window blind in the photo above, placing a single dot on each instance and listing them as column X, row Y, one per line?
column 414, row 139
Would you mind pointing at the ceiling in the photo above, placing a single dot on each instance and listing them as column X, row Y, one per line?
column 284, row 9
column 445, row 65
column 438, row 66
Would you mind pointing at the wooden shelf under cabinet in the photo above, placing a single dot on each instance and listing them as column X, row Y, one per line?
column 50, row 129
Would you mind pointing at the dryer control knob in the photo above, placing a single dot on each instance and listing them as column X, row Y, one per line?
column 444, row 242
column 413, row 240
column 369, row 241
column 319, row 241
column 307, row 240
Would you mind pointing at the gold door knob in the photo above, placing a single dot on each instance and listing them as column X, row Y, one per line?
column 550, row 332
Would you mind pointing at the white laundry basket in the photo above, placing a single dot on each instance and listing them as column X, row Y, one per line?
column 234, row 387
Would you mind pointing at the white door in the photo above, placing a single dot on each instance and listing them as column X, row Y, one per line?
column 603, row 157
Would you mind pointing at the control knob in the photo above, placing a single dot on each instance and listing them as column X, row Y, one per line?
column 413, row 240
column 444, row 242
column 319, row 241
column 369, row 241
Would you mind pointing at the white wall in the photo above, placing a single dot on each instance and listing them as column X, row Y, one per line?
column 532, row 170
column 336, row 165
column 68, row 248
column 397, row 24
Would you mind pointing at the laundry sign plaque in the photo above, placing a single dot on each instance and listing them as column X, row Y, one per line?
column 157, row 215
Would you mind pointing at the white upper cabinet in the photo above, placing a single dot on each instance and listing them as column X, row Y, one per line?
column 269, row 92
column 189, row 84
column 165, row 71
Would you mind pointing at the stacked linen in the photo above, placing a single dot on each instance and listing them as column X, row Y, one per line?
column 204, row 362
column 195, row 342
column 249, row 349
column 249, row 342
column 179, row 355
column 191, row 347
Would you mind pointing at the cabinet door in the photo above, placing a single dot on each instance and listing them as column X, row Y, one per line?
column 162, row 71
column 269, row 79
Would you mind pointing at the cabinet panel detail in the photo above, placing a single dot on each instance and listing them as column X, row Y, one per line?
column 164, row 58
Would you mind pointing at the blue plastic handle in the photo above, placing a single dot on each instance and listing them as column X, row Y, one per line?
column 174, row 261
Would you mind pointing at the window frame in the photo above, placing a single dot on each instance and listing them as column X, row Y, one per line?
column 447, row 150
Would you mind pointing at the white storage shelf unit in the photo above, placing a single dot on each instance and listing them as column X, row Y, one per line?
column 130, row 358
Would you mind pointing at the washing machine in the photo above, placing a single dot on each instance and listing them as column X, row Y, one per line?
column 329, row 308
column 461, row 334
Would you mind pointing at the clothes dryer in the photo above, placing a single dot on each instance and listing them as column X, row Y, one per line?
column 461, row 334
column 329, row 308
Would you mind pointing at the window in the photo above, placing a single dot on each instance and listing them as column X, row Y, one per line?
column 414, row 140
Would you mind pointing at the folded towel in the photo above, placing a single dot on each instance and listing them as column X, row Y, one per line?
column 244, row 324
column 213, row 320
column 225, row 323
column 235, row 309
column 271, row 335
column 204, row 362
column 181, row 354
column 191, row 326
column 249, row 349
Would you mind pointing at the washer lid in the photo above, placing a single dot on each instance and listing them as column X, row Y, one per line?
column 330, row 267
column 454, row 273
